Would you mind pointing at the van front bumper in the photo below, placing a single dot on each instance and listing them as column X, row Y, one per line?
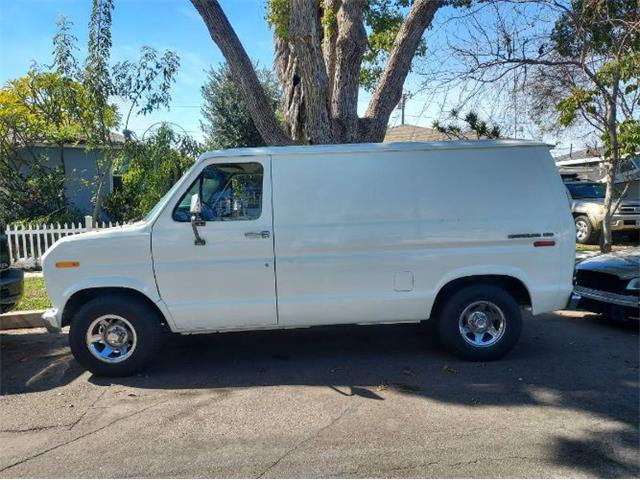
column 51, row 321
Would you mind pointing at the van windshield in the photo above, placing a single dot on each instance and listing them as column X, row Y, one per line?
column 586, row 190
column 158, row 206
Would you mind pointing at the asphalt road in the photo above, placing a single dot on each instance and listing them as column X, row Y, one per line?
column 330, row 402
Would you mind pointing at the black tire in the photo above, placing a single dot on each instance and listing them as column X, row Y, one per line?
column 7, row 307
column 586, row 233
column 448, row 322
column 142, row 317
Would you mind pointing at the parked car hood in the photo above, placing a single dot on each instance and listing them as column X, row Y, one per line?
column 625, row 265
column 589, row 200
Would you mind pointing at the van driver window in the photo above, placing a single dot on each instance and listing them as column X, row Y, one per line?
column 228, row 192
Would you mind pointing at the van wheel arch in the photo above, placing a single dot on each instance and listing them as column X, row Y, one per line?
column 81, row 297
column 511, row 285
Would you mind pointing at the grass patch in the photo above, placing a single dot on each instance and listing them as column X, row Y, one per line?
column 34, row 296
column 586, row 248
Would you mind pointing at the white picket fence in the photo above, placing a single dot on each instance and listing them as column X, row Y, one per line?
column 27, row 243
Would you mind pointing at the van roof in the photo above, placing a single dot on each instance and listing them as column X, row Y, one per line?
column 371, row 147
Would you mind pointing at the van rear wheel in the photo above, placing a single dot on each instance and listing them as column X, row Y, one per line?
column 115, row 335
column 481, row 322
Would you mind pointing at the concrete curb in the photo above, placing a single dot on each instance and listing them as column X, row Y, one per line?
column 21, row 319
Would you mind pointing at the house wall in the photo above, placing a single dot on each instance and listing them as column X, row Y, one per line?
column 80, row 173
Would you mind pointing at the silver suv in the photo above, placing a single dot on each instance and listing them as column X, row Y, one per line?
column 587, row 207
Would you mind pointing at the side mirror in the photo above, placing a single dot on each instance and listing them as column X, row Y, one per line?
column 196, row 221
column 196, row 205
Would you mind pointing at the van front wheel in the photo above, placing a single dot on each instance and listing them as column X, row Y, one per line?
column 480, row 322
column 115, row 335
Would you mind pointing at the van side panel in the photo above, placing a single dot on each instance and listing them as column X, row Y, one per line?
column 372, row 237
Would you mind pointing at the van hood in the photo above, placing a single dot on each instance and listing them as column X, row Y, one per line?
column 105, row 236
column 133, row 228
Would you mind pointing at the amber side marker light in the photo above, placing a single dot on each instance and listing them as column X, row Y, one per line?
column 67, row 264
column 544, row 243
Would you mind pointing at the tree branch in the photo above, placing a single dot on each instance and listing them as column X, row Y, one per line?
column 387, row 94
column 329, row 38
column 242, row 69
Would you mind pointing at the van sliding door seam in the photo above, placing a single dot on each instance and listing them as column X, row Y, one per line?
column 273, row 239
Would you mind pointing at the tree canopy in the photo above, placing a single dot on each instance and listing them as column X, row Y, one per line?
column 148, row 169
column 39, row 108
column 46, row 107
column 227, row 122
column 326, row 50
column 145, row 85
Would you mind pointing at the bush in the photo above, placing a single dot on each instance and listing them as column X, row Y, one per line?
column 149, row 169
column 36, row 197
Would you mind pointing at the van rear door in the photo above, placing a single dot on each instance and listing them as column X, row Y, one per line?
column 229, row 282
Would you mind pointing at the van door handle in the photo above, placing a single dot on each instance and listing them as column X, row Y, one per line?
column 262, row 234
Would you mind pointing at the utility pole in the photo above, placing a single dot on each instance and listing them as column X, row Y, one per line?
column 401, row 105
column 515, row 109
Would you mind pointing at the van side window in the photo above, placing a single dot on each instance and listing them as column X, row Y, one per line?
column 230, row 191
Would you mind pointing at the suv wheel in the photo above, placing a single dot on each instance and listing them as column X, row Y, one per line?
column 585, row 233
column 481, row 322
column 115, row 335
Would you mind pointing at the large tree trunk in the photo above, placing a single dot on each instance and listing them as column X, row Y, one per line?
column 242, row 69
column 319, row 69
column 292, row 91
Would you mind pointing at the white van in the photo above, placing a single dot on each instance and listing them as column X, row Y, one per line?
column 466, row 233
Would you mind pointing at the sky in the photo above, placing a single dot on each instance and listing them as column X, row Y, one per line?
column 27, row 27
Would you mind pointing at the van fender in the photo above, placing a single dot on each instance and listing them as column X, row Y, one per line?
column 149, row 291
column 476, row 270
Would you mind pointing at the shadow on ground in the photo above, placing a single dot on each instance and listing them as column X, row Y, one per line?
column 35, row 360
column 585, row 364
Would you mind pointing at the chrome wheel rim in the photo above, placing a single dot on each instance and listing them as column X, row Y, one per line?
column 482, row 324
column 582, row 230
column 111, row 338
